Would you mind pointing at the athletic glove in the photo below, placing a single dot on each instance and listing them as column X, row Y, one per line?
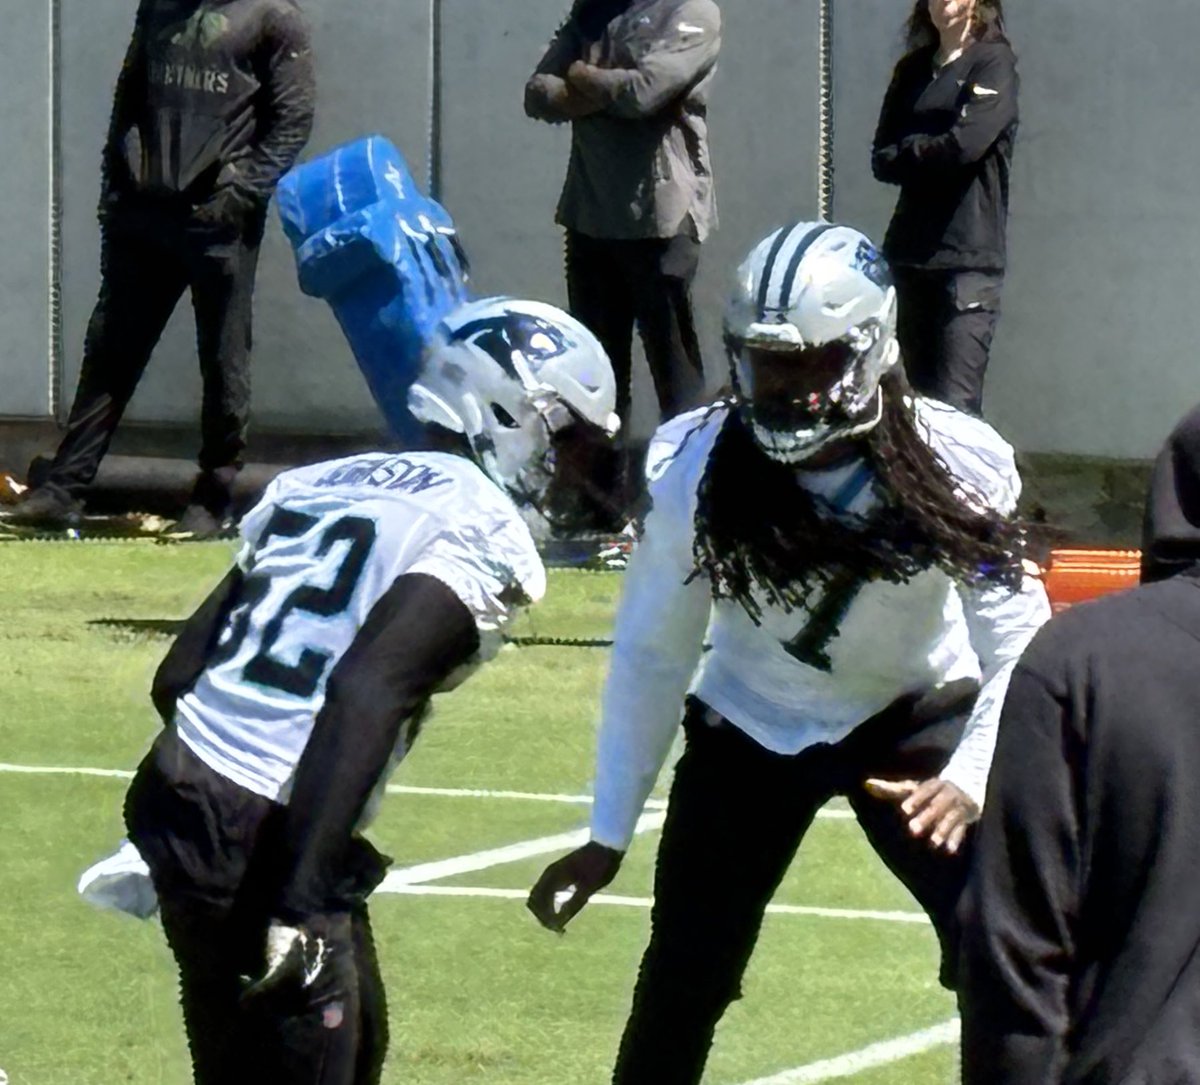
column 568, row 884
column 296, row 960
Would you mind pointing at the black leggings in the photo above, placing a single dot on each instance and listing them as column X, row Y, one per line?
column 736, row 816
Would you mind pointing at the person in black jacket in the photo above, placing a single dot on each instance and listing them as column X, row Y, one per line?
column 1081, row 923
column 213, row 105
column 945, row 136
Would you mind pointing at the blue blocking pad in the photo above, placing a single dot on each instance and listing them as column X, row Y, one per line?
column 382, row 254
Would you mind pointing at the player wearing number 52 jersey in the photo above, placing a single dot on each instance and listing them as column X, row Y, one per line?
column 363, row 586
column 851, row 553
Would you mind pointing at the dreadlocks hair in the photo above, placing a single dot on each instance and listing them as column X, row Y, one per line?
column 758, row 529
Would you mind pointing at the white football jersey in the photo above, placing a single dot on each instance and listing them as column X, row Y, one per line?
column 892, row 639
column 320, row 549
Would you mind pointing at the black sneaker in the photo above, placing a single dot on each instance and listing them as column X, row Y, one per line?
column 198, row 524
column 47, row 509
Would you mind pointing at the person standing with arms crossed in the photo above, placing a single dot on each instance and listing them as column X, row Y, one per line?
column 633, row 77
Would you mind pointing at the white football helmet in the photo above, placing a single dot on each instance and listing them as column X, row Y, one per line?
column 513, row 377
column 813, row 308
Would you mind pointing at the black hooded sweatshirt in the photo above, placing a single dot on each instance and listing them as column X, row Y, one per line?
column 213, row 94
column 1081, row 940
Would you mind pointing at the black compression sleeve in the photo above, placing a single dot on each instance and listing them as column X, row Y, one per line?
column 189, row 652
column 416, row 635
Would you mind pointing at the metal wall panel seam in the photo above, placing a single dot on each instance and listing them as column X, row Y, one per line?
column 825, row 186
column 54, row 225
column 433, row 164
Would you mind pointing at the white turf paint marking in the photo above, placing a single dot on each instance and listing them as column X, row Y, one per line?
column 35, row 770
column 413, row 890
column 525, row 796
column 510, row 853
column 397, row 789
column 867, row 1058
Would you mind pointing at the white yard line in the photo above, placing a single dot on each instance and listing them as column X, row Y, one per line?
column 867, row 1058
column 524, row 796
column 38, row 770
column 396, row 789
column 510, row 853
column 413, row 890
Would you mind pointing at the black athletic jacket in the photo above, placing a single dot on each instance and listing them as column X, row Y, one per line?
column 213, row 93
column 1081, row 923
column 947, row 139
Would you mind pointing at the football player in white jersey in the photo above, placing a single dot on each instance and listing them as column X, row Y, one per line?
column 363, row 586
column 851, row 551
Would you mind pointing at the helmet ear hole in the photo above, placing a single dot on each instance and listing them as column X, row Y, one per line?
column 504, row 418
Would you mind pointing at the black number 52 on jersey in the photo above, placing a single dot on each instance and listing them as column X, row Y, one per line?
column 264, row 669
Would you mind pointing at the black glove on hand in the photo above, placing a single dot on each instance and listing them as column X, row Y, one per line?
column 583, row 872
column 296, row 961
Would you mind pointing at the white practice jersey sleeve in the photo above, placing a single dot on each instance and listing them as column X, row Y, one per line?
column 1000, row 622
column 658, row 639
column 319, row 550
column 894, row 640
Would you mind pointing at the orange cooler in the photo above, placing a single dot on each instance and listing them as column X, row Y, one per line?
column 1075, row 576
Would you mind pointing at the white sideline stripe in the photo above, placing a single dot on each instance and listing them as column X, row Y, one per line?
column 867, row 1058
column 641, row 902
column 395, row 789
column 510, row 853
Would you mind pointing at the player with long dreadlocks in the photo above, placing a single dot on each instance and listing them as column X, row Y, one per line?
column 852, row 552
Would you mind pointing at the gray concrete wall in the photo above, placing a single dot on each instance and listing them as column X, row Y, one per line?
column 1095, row 352
column 24, row 211
column 373, row 72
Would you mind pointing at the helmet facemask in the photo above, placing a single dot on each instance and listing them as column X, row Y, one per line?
column 798, row 400
column 542, row 460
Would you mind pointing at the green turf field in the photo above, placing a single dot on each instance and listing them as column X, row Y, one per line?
column 479, row 993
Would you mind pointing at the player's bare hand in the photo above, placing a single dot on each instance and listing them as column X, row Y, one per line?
column 567, row 884
column 936, row 809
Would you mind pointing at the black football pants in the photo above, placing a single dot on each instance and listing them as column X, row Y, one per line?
column 735, row 818
column 150, row 254
column 615, row 286
column 208, row 843
column 945, row 323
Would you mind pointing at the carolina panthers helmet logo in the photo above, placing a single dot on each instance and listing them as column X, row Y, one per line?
column 871, row 263
column 503, row 333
